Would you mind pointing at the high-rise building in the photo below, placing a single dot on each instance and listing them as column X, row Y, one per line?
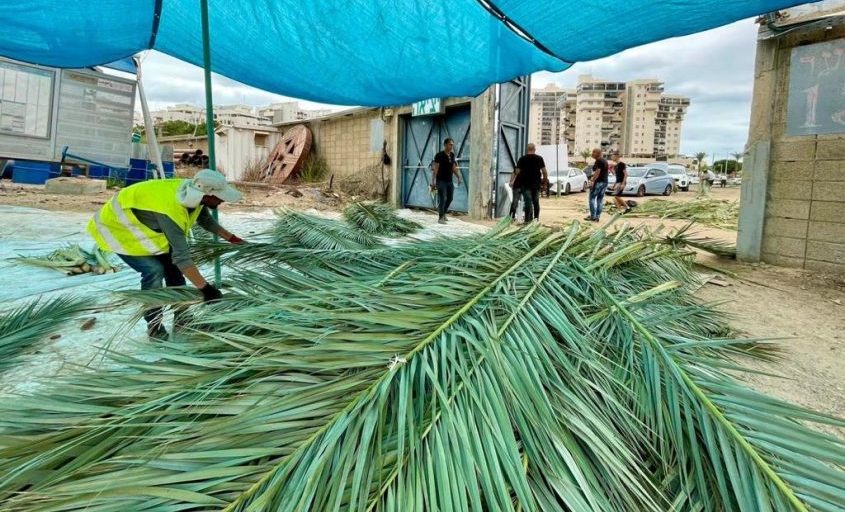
column 642, row 98
column 670, row 117
column 545, row 123
column 635, row 118
column 290, row 111
column 599, row 114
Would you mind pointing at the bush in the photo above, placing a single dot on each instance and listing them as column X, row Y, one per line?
column 315, row 169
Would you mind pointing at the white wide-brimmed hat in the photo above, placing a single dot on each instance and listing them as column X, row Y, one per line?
column 207, row 183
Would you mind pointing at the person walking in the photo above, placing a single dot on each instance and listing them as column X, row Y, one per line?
column 442, row 169
column 146, row 225
column 598, row 185
column 621, row 171
column 532, row 175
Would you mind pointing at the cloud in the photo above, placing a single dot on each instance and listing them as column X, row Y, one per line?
column 714, row 68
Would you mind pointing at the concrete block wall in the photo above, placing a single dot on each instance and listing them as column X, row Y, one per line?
column 804, row 218
column 344, row 141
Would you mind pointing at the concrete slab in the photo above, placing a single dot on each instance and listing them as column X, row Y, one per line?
column 74, row 186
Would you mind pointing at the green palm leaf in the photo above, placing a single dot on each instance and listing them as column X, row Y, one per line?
column 22, row 328
column 516, row 370
column 378, row 219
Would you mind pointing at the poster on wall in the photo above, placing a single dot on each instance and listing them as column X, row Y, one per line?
column 26, row 100
column 817, row 89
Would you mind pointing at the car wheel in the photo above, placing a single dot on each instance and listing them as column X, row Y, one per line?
column 584, row 187
column 668, row 190
column 641, row 191
column 567, row 190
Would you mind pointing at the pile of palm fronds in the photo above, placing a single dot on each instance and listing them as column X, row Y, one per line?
column 516, row 370
column 297, row 229
column 713, row 212
column 72, row 260
column 378, row 218
column 23, row 327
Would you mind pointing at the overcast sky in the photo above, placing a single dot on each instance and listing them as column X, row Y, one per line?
column 715, row 69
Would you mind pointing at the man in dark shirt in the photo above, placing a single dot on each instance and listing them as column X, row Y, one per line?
column 530, row 173
column 598, row 185
column 442, row 169
column 621, row 170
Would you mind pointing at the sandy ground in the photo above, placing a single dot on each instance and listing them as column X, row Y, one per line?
column 804, row 310
column 297, row 197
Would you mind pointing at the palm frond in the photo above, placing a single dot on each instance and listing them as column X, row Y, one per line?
column 684, row 238
column 379, row 219
column 712, row 212
column 297, row 229
column 22, row 328
column 522, row 369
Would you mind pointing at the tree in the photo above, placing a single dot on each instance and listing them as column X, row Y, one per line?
column 700, row 159
column 726, row 166
column 737, row 156
column 585, row 154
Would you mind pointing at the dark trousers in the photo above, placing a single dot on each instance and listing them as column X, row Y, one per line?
column 445, row 193
column 531, row 198
column 154, row 270
column 517, row 193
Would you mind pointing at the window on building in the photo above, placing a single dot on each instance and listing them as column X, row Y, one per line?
column 26, row 100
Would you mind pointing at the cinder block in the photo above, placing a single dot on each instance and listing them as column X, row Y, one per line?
column 826, row 211
column 827, row 231
column 799, row 150
column 783, row 246
column 826, row 251
column 791, row 189
column 825, row 266
column 792, row 228
column 830, row 171
column 830, row 149
column 828, row 191
column 783, row 261
column 788, row 208
column 789, row 171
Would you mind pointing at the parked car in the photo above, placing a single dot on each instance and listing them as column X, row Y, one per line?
column 679, row 173
column 648, row 180
column 570, row 179
column 693, row 178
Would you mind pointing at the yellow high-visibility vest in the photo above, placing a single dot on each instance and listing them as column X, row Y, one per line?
column 115, row 227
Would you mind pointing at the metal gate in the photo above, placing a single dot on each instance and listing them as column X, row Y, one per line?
column 423, row 138
column 514, row 101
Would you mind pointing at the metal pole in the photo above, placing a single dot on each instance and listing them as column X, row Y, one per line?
column 209, row 113
column 149, row 126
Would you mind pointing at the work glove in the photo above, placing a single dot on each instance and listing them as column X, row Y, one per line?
column 210, row 293
column 234, row 239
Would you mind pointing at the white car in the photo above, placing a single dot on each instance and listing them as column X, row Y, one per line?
column 679, row 173
column 569, row 179
column 693, row 178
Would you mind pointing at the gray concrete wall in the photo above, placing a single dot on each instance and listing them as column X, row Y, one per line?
column 792, row 209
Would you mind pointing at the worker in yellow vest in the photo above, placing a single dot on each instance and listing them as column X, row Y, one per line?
column 146, row 224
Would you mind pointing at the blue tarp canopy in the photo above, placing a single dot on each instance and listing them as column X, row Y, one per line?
column 359, row 52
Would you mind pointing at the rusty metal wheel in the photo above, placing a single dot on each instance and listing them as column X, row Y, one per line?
column 288, row 156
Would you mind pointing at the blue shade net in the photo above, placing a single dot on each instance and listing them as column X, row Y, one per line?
column 359, row 52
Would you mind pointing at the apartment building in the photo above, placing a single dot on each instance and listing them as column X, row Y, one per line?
column 545, row 115
column 290, row 111
column 599, row 114
column 670, row 118
column 635, row 118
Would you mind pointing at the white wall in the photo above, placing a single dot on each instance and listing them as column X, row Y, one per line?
column 548, row 154
column 237, row 148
